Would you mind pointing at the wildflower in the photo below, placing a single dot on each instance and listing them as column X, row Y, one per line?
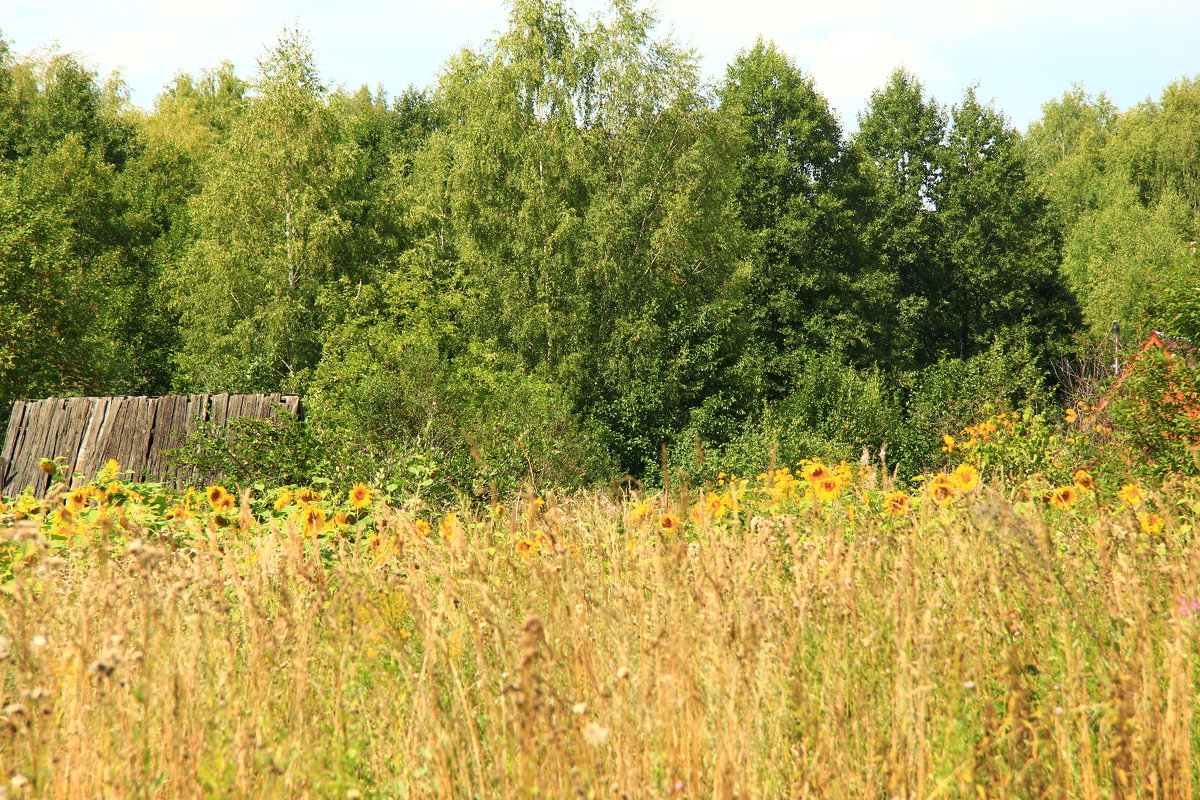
column 283, row 501
column 1151, row 523
column 715, row 504
column 641, row 512
column 78, row 499
column 220, row 499
column 1188, row 606
column 827, row 488
column 313, row 519
column 816, row 471
column 525, row 547
column 966, row 477
column 669, row 523
column 447, row 526
column 49, row 467
column 1070, row 415
column 308, row 496
column 360, row 496
column 178, row 514
column 897, row 504
column 340, row 521
column 942, row 491
column 1084, row 481
column 1063, row 497
column 422, row 527
column 948, row 443
column 109, row 471
column 1131, row 495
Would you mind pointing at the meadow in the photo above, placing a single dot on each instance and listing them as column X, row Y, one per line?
column 813, row 631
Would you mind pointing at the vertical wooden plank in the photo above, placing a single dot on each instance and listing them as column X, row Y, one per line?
column 97, row 436
column 142, row 436
column 16, row 422
column 110, row 447
column 29, row 444
column 78, row 410
column 162, row 413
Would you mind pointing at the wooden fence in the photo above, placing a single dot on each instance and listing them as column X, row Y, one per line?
column 136, row 431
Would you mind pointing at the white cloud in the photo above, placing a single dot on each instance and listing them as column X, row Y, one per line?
column 850, row 64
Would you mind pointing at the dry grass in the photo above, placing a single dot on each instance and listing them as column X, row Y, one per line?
column 982, row 650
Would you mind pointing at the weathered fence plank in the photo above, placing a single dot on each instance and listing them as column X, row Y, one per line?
column 136, row 431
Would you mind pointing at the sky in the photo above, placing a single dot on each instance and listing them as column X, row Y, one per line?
column 1018, row 53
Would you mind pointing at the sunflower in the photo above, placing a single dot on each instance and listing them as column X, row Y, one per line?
column 966, row 477
column 1063, row 497
column 827, row 488
column 308, row 496
column 525, row 547
column 78, row 499
column 448, row 526
column 1084, row 481
column 641, row 512
column 178, row 514
column 941, row 490
column 360, row 496
column 1151, row 523
column 816, row 471
column 313, row 519
column 1131, row 495
column 669, row 523
column 220, row 499
column 422, row 527
column 715, row 505
column 283, row 501
column 897, row 504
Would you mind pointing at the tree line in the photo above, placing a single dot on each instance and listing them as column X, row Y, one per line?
column 570, row 251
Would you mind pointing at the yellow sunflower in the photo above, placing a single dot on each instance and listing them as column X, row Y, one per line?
column 360, row 496
column 220, row 499
column 1131, row 495
column 897, row 504
column 815, row 472
column 1151, row 523
column 1063, row 497
column 827, row 488
column 941, row 490
column 966, row 477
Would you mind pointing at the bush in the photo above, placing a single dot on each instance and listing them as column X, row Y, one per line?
column 834, row 412
column 1155, row 406
column 475, row 422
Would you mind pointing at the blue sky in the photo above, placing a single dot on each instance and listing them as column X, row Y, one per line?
column 1019, row 52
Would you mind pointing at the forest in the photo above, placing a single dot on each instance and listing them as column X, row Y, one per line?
column 572, row 259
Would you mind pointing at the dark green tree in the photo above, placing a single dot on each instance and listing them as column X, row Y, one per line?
column 999, row 240
column 800, row 197
column 899, row 142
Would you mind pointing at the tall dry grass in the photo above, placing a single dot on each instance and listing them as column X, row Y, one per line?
column 983, row 651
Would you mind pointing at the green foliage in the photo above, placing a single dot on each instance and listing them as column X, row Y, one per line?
column 568, row 251
column 899, row 141
column 391, row 397
column 245, row 452
column 955, row 393
column 1155, row 408
column 799, row 198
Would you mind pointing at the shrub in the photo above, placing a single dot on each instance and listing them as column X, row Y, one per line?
column 1155, row 406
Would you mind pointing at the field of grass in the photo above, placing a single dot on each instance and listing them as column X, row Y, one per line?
column 810, row 633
